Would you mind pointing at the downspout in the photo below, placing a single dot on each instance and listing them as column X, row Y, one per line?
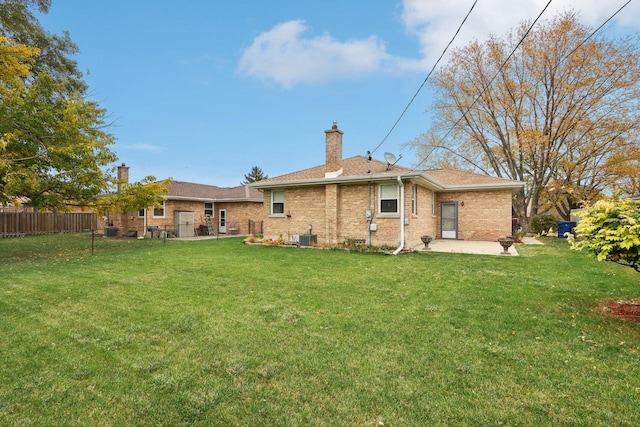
column 369, row 211
column 370, row 215
column 144, row 223
column 401, row 247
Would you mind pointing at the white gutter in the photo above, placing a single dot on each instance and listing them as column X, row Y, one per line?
column 144, row 222
column 401, row 247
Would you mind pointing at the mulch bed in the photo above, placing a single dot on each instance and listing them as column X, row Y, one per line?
column 629, row 310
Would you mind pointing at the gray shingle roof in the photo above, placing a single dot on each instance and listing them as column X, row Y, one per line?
column 357, row 168
column 193, row 191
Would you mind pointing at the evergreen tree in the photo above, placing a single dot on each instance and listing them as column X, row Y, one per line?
column 256, row 174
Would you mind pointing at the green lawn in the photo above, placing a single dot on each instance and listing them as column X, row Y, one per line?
column 215, row 332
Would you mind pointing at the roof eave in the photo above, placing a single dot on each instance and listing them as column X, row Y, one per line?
column 416, row 175
column 376, row 177
column 188, row 198
column 212, row 200
column 231, row 200
column 513, row 186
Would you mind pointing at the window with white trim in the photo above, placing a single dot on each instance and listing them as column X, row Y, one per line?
column 388, row 199
column 142, row 213
column 414, row 199
column 277, row 202
column 158, row 212
column 208, row 209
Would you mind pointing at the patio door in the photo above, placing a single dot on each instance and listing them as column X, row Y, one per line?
column 449, row 224
column 222, row 221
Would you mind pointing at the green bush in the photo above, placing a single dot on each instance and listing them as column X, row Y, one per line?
column 541, row 224
column 610, row 229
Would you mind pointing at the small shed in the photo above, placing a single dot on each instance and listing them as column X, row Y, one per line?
column 184, row 223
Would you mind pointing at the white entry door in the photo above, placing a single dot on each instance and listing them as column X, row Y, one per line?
column 449, row 213
column 222, row 221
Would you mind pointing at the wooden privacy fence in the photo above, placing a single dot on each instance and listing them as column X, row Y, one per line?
column 28, row 223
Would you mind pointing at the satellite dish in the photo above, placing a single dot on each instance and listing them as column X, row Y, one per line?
column 391, row 159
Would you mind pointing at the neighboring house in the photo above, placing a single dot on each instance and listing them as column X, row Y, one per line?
column 382, row 204
column 234, row 210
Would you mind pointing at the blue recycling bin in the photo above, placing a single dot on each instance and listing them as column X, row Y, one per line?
column 565, row 227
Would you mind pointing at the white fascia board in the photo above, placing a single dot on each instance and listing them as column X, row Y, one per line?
column 513, row 186
column 351, row 179
column 189, row 199
column 238, row 200
column 417, row 176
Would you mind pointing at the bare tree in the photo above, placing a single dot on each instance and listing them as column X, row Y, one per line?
column 556, row 115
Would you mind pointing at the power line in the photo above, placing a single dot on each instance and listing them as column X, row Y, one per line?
column 509, row 57
column 484, row 89
column 595, row 31
column 426, row 78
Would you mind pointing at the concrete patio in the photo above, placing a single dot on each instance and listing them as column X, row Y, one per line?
column 473, row 247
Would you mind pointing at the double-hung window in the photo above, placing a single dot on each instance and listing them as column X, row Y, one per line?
column 158, row 212
column 277, row 202
column 388, row 199
column 208, row 209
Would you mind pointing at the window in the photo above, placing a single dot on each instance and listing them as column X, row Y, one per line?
column 158, row 212
column 208, row 209
column 277, row 203
column 142, row 213
column 414, row 199
column 388, row 199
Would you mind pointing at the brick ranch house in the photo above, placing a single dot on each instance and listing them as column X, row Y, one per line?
column 233, row 210
column 365, row 199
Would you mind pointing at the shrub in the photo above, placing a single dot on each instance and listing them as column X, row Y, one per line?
column 611, row 231
column 542, row 223
column 252, row 239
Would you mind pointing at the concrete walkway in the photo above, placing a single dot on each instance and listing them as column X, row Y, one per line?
column 474, row 247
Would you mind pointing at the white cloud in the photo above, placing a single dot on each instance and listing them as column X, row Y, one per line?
column 434, row 22
column 285, row 56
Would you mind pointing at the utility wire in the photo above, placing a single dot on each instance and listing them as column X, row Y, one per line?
column 594, row 32
column 425, row 80
column 484, row 89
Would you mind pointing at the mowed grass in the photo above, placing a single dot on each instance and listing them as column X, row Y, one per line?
column 216, row 332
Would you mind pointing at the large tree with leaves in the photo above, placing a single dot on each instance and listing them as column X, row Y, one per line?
column 556, row 115
column 54, row 147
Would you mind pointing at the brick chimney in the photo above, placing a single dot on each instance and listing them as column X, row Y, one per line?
column 334, row 148
column 123, row 175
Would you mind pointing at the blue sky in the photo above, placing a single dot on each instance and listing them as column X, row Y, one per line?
column 202, row 90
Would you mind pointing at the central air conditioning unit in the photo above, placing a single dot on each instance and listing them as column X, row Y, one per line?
column 308, row 239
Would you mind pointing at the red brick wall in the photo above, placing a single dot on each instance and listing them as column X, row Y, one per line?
column 486, row 215
column 338, row 212
column 237, row 213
